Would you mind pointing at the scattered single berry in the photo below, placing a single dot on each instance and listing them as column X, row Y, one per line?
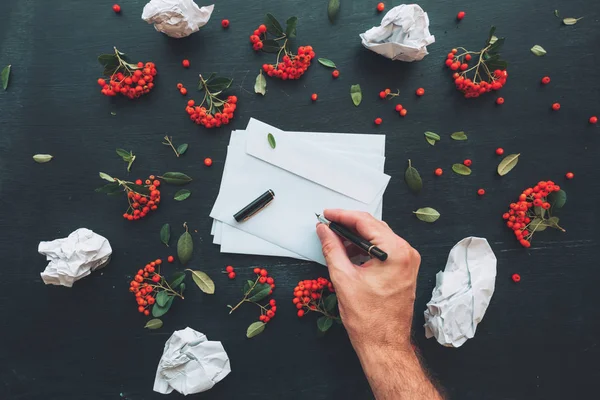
column 314, row 97
column 183, row 91
column 570, row 175
column 556, row 106
column 378, row 121
column 170, row 259
column 460, row 15
column 439, row 172
column 467, row 162
column 500, row 100
column 546, row 80
column 593, row 119
column 403, row 112
column 225, row 23
column 399, row 107
column 231, row 275
column 481, row 192
column 380, row 7
column 421, row 91
column 116, row 8
column 335, row 73
column 516, row 277
column 207, row 162
column 185, row 63
column 499, row 151
column 382, row 95
column 229, row 268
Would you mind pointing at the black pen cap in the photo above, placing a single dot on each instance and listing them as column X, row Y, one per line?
column 261, row 202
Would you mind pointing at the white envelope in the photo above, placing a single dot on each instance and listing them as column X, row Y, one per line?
column 305, row 178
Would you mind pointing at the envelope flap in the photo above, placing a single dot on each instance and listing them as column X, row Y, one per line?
column 335, row 171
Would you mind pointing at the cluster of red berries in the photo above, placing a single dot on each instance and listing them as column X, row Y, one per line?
column 292, row 66
column 142, row 286
column 263, row 277
column 269, row 311
column 255, row 38
column 401, row 110
column 229, row 270
column 521, row 213
column 133, row 84
column 308, row 293
column 470, row 88
column 387, row 94
column 181, row 89
column 140, row 204
column 202, row 116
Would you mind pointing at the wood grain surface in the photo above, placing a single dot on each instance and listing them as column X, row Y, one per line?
column 539, row 338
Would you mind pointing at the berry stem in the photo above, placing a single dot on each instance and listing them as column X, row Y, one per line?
column 245, row 298
column 170, row 143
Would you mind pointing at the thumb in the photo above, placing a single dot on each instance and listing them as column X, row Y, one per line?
column 333, row 249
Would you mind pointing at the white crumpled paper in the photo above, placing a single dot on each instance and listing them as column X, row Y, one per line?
column 462, row 292
column 403, row 34
column 74, row 257
column 176, row 18
column 190, row 363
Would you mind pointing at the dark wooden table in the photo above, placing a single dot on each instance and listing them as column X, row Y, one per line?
column 539, row 338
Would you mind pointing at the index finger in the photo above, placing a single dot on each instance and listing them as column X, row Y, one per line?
column 362, row 222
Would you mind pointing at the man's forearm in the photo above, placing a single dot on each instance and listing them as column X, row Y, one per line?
column 395, row 373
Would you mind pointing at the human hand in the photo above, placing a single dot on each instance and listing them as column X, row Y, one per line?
column 375, row 299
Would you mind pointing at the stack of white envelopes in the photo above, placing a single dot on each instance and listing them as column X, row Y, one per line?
column 308, row 172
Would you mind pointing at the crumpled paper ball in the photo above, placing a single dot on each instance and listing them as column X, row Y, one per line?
column 190, row 363
column 176, row 18
column 74, row 257
column 462, row 292
column 403, row 34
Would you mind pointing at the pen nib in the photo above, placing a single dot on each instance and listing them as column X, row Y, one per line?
column 322, row 219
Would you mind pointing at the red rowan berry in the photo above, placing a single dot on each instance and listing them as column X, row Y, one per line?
column 229, row 268
column 272, row 302
column 300, row 313
column 183, row 91
column 314, row 97
column 399, row 107
column 208, row 162
column 116, row 8
column 516, row 277
column 225, row 23
column 270, row 314
column 382, row 94
column 380, row 7
column 468, row 57
column 262, row 318
column 335, row 73
column 593, row 120
column 556, row 106
column 438, row 172
column 499, row 151
column 420, row 92
column 231, row 275
column 481, row 192
column 500, row 100
column 262, row 28
column 403, row 112
column 378, row 121
column 263, row 272
column 138, row 181
column 460, row 15
column 570, row 175
column 257, row 271
column 546, row 80
column 185, row 63
column 467, row 162
column 179, row 85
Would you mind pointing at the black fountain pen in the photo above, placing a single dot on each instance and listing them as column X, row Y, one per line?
column 362, row 243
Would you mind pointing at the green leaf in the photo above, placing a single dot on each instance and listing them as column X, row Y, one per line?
column 106, row 177
column 496, row 64
column 570, row 21
column 356, row 94
column 271, row 140
column 108, row 60
column 413, row 179
column 124, row 154
column 556, row 14
column 270, row 46
column 185, row 247
column 139, row 189
column 495, row 47
column 154, row 324
column 182, row 194
column 432, row 136
column 260, row 85
column 4, row 76
column 273, row 26
column 324, row 323
column 538, row 50
column 327, row 63
column 508, row 163
column 254, row 329
column 110, row 188
column 459, row 136
column 182, row 148
column 539, row 211
column 247, row 286
column 290, row 29
column 176, row 178
column 165, row 234
column 491, row 34
column 552, row 222
column 162, row 298
column 177, row 278
column 260, row 291
column 203, row 281
column 537, row 225
column 218, row 83
column 330, row 302
column 557, row 199
column 42, row 158
column 461, row 169
column 333, row 8
column 158, row 311
column 430, row 141
column 182, row 287
column 493, row 40
column 427, row 214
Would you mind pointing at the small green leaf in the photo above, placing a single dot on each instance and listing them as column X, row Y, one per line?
column 552, row 222
column 538, row 50
column 154, row 324
column 570, row 21
column 461, row 169
column 158, row 311
column 4, row 76
column 493, row 39
column 177, row 278
column 539, row 211
column 333, row 8
column 491, row 34
column 182, row 148
column 508, row 163
column 182, row 194
column 218, row 83
column 459, row 136
column 182, row 287
column 203, row 281
column 430, row 141
column 124, row 154
column 330, row 302
column 114, row 113
column 270, row 46
column 260, row 291
column 165, row 234
column 139, row 189
column 537, row 225
column 42, row 158
column 271, row 140
column 556, row 14
column 432, row 136
column 327, row 63
column 247, row 286
column 254, row 329
column 356, row 94
column 273, row 26
column 185, row 247
column 108, row 60
column 557, row 199
column 260, row 86
column 176, row 178
column 427, row 214
column 162, row 298
column 111, row 188
column 290, row 29
column 413, row 179
column 324, row 323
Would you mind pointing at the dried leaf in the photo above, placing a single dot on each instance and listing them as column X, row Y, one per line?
column 538, row 50
column 570, row 21
column 413, row 179
column 182, row 194
column 165, row 234
column 203, row 281
column 254, row 329
column 459, row 136
column 42, row 158
column 182, row 148
column 327, row 63
column 557, row 199
column 185, row 247
column 461, row 169
column 507, row 164
column 4, row 77
column 260, row 86
column 427, row 214
column 356, row 94
column 324, row 323
column 154, row 324
column 333, row 8
column 271, row 140
column 430, row 141
column 176, row 178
